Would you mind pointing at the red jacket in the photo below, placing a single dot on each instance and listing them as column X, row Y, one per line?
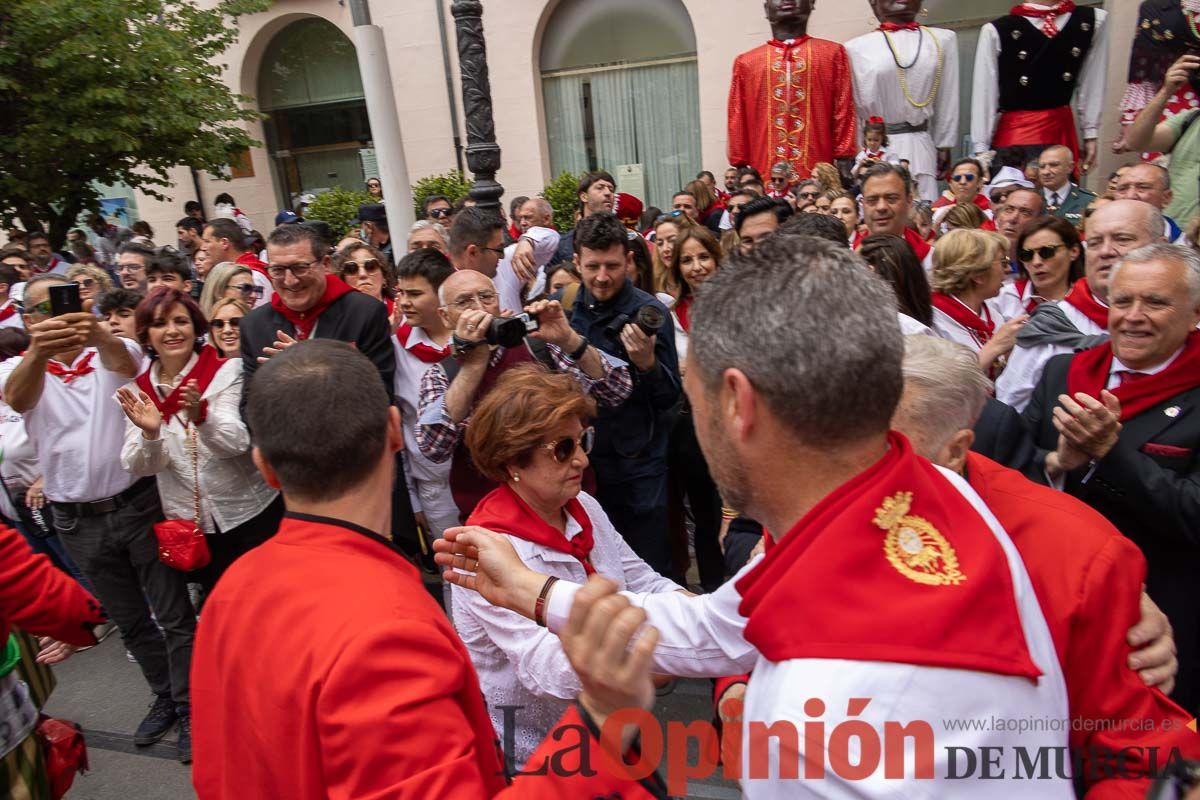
column 40, row 598
column 1087, row 577
column 324, row 669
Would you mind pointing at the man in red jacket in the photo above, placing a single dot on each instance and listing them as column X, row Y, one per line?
column 323, row 667
column 1087, row 576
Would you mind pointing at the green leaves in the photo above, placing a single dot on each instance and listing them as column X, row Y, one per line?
column 338, row 207
column 563, row 195
column 450, row 184
column 94, row 91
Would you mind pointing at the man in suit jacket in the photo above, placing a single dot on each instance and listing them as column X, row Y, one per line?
column 1063, row 198
column 1001, row 435
column 1118, row 426
column 325, row 669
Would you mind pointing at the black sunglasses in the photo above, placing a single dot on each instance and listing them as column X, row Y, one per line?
column 967, row 178
column 564, row 448
column 439, row 212
column 370, row 265
column 1045, row 252
column 219, row 324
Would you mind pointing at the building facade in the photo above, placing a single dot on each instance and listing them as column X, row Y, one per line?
column 638, row 87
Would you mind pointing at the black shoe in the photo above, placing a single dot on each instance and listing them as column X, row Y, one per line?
column 156, row 724
column 185, row 738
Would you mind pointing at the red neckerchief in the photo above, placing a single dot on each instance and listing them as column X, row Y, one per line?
column 1023, row 285
column 1090, row 369
column 9, row 310
column 68, row 374
column 504, row 511
column 683, row 310
column 1046, row 13
column 983, row 203
column 304, row 321
column 426, row 353
column 788, row 48
column 878, row 155
column 203, row 372
column 843, row 583
column 892, row 27
column 1082, row 298
column 919, row 245
column 250, row 260
column 981, row 327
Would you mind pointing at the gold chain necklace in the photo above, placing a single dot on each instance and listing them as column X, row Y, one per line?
column 903, row 72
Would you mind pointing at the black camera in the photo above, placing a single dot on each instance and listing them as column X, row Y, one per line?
column 648, row 318
column 510, row 331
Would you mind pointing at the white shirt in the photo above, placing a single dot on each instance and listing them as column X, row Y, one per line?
column 877, row 93
column 520, row 663
column 265, row 282
column 1025, row 364
column 77, row 429
column 18, row 464
column 508, row 283
column 1117, row 369
column 15, row 320
column 945, row 327
column 407, row 389
column 232, row 490
column 910, row 326
column 1009, row 303
column 1056, row 197
column 1089, row 90
column 704, row 637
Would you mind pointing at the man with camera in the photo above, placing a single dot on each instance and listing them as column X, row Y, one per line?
column 483, row 345
column 630, row 455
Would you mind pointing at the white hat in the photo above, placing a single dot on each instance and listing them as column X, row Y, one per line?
column 1007, row 178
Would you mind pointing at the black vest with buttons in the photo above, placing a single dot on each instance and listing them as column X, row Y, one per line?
column 1037, row 72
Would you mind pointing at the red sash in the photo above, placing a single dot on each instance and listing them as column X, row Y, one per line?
column 981, row 328
column 1090, row 369
column 9, row 310
column 683, row 310
column 892, row 27
column 504, row 511
column 205, row 369
column 304, row 321
column 1052, row 125
column 68, row 374
column 427, row 354
column 894, row 544
column 1082, row 298
column 1047, row 14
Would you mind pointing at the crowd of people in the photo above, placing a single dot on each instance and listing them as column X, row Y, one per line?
column 821, row 438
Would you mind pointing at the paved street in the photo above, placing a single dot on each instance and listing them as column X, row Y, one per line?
column 105, row 693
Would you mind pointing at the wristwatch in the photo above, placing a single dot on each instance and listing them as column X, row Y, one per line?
column 578, row 354
column 460, row 347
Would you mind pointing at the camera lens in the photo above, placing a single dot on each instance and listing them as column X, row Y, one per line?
column 505, row 331
column 649, row 319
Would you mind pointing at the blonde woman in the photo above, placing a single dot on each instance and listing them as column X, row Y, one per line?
column 969, row 267
column 224, row 326
column 93, row 281
column 228, row 279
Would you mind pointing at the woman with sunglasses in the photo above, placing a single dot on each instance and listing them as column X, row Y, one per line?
column 183, row 411
column 697, row 257
column 531, row 435
column 366, row 269
column 1050, row 255
column 966, row 183
column 231, row 280
column 93, row 281
column 225, row 327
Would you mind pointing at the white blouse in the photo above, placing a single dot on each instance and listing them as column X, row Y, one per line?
column 231, row 489
column 522, row 664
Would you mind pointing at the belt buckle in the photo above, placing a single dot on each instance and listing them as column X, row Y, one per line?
column 103, row 506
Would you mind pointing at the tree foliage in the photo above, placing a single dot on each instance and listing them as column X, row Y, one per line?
column 452, row 185
column 338, row 207
column 93, row 91
column 563, row 195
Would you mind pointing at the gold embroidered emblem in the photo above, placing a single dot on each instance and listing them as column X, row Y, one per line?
column 914, row 547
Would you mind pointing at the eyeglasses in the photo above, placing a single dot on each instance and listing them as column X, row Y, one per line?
column 438, row 213
column 564, row 448
column 277, row 271
column 679, row 212
column 808, row 195
column 45, row 308
column 467, row 300
column 248, row 289
column 370, row 265
column 219, row 324
column 86, row 283
column 129, row 267
column 1045, row 252
column 497, row 250
column 970, row 176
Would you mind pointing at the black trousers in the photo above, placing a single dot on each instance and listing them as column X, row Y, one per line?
column 118, row 553
column 633, row 493
column 690, row 479
column 226, row 547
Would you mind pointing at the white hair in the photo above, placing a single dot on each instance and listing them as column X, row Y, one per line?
column 951, row 389
column 428, row 224
column 1173, row 253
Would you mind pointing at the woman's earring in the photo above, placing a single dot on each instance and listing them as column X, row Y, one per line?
column 516, row 478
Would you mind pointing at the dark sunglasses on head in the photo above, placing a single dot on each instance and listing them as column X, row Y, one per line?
column 564, row 448
column 219, row 324
column 370, row 265
column 970, row 176
column 1045, row 252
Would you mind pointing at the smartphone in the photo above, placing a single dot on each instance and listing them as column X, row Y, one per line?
column 64, row 299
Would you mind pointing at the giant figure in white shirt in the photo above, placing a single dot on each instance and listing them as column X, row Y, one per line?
column 890, row 594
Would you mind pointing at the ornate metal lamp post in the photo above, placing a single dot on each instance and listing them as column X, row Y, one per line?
column 483, row 154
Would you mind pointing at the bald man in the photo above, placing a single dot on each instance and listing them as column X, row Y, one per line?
column 1064, row 199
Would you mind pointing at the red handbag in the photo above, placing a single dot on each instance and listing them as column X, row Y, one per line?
column 181, row 542
column 65, row 751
